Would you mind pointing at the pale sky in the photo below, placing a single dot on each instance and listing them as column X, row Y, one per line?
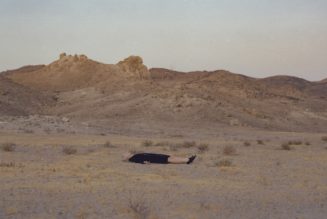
column 258, row 38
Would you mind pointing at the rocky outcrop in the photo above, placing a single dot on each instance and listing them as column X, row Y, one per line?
column 133, row 67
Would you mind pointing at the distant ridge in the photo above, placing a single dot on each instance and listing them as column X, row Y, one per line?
column 128, row 94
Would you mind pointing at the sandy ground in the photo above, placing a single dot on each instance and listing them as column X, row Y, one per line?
column 39, row 180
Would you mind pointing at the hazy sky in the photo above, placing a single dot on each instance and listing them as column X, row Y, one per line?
column 253, row 37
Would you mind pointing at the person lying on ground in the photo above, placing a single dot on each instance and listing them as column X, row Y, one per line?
column 145, row 158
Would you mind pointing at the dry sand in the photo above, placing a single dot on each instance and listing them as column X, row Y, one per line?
column 39, row 180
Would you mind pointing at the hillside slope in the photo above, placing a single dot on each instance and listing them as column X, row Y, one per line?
column 128, row 95
column 17, row 100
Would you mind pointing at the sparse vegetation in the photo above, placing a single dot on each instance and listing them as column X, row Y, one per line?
column 229, row 150
column 69, row 150
column 246, row 144
column 324, row 138
column 162, row 143
column 28, row 131
column 108, row 144
column 8, row 147
column 203, row 148
column 189, row 144
column 295, row 142
column 286, row 146
column 307, row 143
column 139, row 208
column 224, row 163
column 260, row 142
column 147, row 143
column 174, row 147
column 10, row 164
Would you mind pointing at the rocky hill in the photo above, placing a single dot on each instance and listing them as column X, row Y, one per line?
column 17, row 100
column 127, row 94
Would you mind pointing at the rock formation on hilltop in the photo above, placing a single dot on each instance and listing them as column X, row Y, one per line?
column 134, row 67
column 71, row 72
column 128, row 94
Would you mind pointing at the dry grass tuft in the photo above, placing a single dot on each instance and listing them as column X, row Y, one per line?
column 8, row 147
column 224, row 163
column 108, row 144
column 139, row 208
column 307, row 143
column 246, row 144
column 147, row 143
column 324, row 138
column 188, row 144
column 260, row 142
column 286, row 146
column 203, row 148
column 11, row 164
column 162, row 143
column 174, row 147
column 69, row 150
column 295, row 142
column 229, row 150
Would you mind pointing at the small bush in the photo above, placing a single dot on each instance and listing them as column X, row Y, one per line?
column 286, row 146
column 324, row 138
column 229, row 150
column 260, row 142
column 147, row 143
column 108, row 144
column 295, row 142
column 307, row 143
column 189, row 144
column 162, row 143
column 8, row 147
column 246, row 144
column 11, row 164
column 139, row 208
column 203, row 148
column 69, row 150
column 174, row 147
column 224, row 163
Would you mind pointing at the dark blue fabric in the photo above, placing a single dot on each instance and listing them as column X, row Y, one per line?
column 148, row 157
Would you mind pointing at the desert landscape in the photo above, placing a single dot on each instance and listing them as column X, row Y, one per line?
column 261, row 143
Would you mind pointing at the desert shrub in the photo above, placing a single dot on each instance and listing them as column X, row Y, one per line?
column 11, row 164
column 229, row 150
column 223, row 163
column 147, row 143
column 295, row 142
column 47, row 130
column 69, row 150
column 307, row 143
column 286, row 146
column 260, row 142
column 60, row 130
column 189, row 144
column 108, row 144
column 162, row 143
column 174, row 147
column 139, row 208
column 324, row 138
column 203, row 148
column 8, row 146
column 246, row 143
column 28, row 131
